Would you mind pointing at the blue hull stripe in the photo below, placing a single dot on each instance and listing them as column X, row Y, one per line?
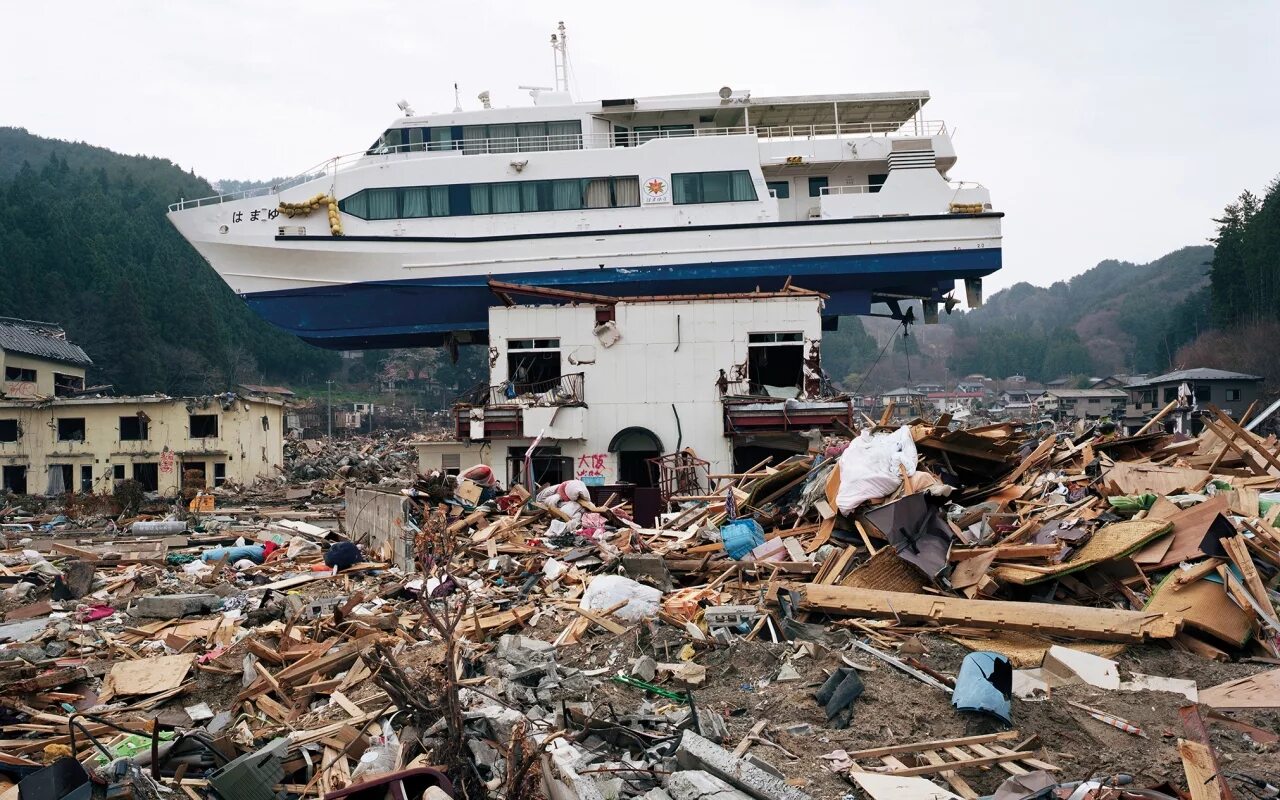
column 422, row 310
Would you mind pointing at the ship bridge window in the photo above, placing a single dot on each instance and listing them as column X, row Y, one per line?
column 522, row 137
column 780, row 189
column 647, row 133
column 493, row 198
column 712, row 187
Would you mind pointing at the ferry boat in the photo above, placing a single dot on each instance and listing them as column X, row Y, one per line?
column 395, row 245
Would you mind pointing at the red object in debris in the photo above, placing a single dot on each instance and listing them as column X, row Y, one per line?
column 98, row 612
column 482, row 475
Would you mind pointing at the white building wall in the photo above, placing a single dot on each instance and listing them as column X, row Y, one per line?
column 669, row 354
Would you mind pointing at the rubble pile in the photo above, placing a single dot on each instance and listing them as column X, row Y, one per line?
column 917, row 612
column 363, row 459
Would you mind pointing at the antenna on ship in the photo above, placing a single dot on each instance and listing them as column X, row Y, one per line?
column 457, row 100
column 560, row 52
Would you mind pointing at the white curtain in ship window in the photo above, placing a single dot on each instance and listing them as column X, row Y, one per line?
column 382, row 203
column 533, row 136
column 504, row 198
column 473, row 137
column 565, row 135
column 480, row 198
column 416, row 201
column 626, row 191
column 566, row 195
column 502, row 138
column 741, row 187
column 598, row 193
column 531, row 197
column 687, row 187
column 439, row 201
column 357, row 205
column 441, row 138
column 415, row 138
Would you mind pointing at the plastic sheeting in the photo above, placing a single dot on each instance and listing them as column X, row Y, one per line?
column 606, row 591
column 869, row 466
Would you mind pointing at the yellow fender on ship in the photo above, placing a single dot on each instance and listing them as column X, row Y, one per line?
column 304, row 208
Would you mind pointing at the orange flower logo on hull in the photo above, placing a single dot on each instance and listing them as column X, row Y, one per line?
column 656, row 186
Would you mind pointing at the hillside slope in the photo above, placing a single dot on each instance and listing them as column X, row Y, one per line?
column 84, row 242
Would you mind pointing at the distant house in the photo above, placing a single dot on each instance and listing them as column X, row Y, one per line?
column 1233, row 392
column 1016, row 396
column 929, row 388
column 1058, row 383
column 1083, row 403
column 970, row 386
column 903, row 396
column 1117, row 381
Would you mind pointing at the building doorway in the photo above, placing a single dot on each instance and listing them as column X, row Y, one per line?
column 635, row 446
column 14, row 479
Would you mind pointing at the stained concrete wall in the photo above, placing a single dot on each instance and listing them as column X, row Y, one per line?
column 375, row 521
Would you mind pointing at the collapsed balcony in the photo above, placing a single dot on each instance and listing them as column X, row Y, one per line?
column 506, row 410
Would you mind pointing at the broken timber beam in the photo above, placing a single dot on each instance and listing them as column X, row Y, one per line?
column 1046, row 618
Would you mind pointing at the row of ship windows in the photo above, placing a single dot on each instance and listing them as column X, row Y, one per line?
column 466, row 199
column 515, row 137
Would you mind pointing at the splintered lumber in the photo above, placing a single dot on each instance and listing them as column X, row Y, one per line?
column 1080, row 622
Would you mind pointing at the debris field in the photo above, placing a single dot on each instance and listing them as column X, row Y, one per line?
column 915, row 612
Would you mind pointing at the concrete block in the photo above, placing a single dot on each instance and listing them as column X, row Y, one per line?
column 174, row 606
column 695, row 784
column 698, row 753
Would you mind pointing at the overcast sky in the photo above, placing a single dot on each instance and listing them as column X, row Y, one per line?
column 1103, row 129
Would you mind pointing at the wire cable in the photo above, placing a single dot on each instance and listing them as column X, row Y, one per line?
column 874, row 363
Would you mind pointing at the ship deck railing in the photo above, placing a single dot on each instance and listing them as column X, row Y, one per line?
column 581, row 141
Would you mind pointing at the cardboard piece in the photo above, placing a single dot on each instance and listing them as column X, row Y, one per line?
column 901, row 787
column 146, row 676
column 1204, row 606
column 1189, row 528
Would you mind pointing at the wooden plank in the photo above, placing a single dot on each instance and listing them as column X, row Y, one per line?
column 602, row 621
column 1197, row 763
column 937, row 744
column 1046, row 618
column 959, row 785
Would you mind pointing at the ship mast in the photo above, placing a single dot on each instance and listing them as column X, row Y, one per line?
column 559, row 45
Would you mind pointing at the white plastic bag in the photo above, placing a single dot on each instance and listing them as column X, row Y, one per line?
column 869, row 466
column 606, row 591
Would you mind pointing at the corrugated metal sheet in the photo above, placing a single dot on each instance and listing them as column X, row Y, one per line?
column 41, row 340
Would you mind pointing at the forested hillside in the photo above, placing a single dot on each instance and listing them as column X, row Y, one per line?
column 84, row 242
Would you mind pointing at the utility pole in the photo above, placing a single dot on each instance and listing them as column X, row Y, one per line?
column 330, row 414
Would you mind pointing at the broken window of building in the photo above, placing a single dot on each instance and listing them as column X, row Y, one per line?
column 219, row 473
column 147, row 474
column 71, row 429
column 1202, row 393
column 64, row 385
column 451, row 463
column 14, row 479
column 203, row 426
column 546, row 463
column 86, row 479
column 533, row 365
column 19, row 374
column 775, row 363
column 117, row 472
column 133, row 428
column 9, row 431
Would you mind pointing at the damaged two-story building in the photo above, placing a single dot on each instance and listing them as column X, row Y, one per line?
column 595, row 388
column 58, row 437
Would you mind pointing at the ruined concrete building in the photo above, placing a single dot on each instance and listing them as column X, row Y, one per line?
column 596, row 387
column 55, row 437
